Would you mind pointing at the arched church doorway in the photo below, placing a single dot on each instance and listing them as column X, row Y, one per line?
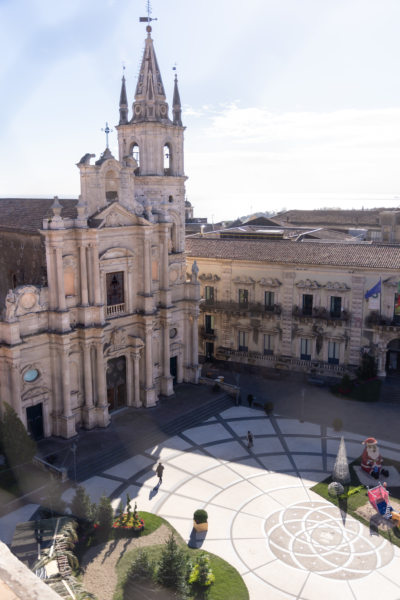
column 393, row 357
column 116, row 383
column 34, row 418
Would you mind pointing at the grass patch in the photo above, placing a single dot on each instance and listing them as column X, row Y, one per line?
column 228, row 583
column 354, row 499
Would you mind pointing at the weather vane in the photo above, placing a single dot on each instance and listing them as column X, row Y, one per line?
column 107, row 130
column 147, row 19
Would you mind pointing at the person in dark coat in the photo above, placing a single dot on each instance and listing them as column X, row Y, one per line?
column 159, row 472
column 249, row 440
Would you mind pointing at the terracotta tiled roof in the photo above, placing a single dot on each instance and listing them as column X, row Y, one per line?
column 309, row 253
column 351, row 218
column 27, row 214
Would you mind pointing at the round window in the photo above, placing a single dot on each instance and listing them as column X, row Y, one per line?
column 173, row 332
column 31, row 375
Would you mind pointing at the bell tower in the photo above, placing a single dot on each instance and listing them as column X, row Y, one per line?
column 150, row 136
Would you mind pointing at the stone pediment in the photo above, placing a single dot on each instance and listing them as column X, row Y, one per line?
column 337, row 286
column 244, row 280
column 307, row 283
column 209, row 277
column 269, row 282
column 117, row 215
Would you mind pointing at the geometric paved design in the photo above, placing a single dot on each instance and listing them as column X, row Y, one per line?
column 311, row 536
column 285, row 541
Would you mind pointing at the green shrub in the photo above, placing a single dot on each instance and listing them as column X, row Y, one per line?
column 18, row 447
column 81, row 505
column 174, row 567
column 142, row 566
column 200, row 516
column 201, row 574
column 105, row 513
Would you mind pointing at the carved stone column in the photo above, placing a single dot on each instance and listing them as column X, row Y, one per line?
column 84, row 275
column 150, row 393
column 60, row 280
column 146, row 267
column 103, row 417
column 130, row 390
column 15, row 376
column 67, row 419
column 96, row 274
column 167, row 381
column 89, row 415
column 136, row 379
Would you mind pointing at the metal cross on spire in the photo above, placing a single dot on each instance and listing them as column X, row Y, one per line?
column 147, row 19
column 107, row 130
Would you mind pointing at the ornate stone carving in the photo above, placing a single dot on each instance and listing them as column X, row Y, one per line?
column 209, row 277
column 269, row 282
column 244, row 280
column 337, row 286
column 195, row 271
column 307, row 283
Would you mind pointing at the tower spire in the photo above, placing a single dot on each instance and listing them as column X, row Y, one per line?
column 176, row 104
column 150, row 101
column 123, row 103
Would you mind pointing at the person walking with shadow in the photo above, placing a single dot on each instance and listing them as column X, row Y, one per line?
column 159, row 472
column 249, row 440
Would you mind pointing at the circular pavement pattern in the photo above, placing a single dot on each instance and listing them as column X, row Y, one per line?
column 311, row 536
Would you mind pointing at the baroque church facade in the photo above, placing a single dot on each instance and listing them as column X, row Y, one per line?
column 98, row 313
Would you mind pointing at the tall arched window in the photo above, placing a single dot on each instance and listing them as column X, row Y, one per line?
column 136, row 155
column 167, row 160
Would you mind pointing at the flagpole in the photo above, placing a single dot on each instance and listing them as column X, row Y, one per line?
column 380, row 297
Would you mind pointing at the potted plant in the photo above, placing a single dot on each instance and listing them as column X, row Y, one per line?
column 200, row 518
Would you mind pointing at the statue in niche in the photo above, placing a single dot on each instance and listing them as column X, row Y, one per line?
column 11, row 305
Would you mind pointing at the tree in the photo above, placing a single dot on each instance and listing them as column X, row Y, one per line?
column 18, row 447
column 174, row 567
column 105, row 513
column 81, row 505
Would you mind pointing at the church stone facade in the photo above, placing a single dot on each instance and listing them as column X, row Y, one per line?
column 101, row 314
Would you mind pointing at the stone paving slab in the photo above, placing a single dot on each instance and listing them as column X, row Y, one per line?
column 303, row 444
column 9, row 522
column 296, row 427
column 261, row 426
column 130, row 467
column 222, row 475
column 276, row 462
column 310, row 461
column 171, row 447
column 207, row 433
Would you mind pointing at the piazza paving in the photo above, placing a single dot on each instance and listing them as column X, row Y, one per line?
column 285, row 540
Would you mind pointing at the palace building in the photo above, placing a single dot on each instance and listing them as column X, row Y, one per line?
column 298, row 305
column 98, row 313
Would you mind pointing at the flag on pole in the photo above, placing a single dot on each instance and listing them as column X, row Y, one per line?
column 376, row 289
column 397, row 301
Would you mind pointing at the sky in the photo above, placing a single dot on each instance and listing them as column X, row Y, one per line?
column 287, row 103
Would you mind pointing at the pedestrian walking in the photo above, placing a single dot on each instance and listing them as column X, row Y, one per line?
column 159, row 472
column 249, row 440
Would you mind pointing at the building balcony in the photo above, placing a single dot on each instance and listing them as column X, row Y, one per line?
column 207, row 334
column 252, row 309
column 115, row 310
column 376, row 321
column 319, row 312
